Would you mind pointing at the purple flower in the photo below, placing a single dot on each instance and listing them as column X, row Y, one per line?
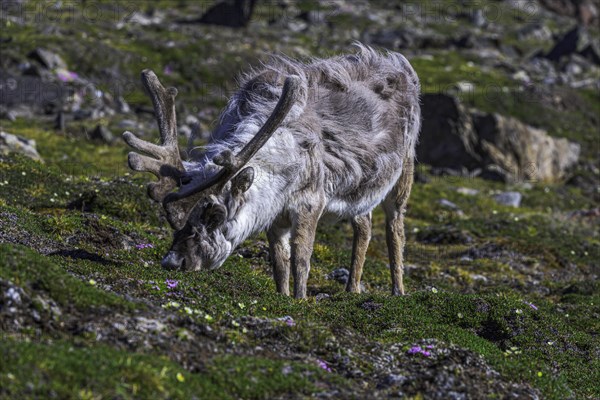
column 168, row 70
column 531, row 305
column 171, row 283
column 323, row 365
column 66, row 76
column 419, row 350
column 289, row 321
column 144, row 246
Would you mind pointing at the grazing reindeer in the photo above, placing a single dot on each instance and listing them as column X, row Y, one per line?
column 296, row 142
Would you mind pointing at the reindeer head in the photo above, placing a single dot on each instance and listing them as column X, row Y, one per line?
column 204, row 241
column 202, row 211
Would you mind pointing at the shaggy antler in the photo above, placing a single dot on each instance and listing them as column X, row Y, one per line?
column 165, row 162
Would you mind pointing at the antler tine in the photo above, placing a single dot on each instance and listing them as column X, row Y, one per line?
column 232, row 164
column 163, row 101
column 165, row 162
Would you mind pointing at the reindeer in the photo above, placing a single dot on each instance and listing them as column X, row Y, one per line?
column 297, row 141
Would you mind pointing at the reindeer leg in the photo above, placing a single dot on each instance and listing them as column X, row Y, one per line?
column 304, row 226
column 394, row 207
column 361, row 225
column 279, row 249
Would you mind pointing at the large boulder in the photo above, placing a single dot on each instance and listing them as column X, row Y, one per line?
column 447, row 137
column 520, row 151
column 490, row 145
column 230, row 13
column 575, row 41
column 38, row 95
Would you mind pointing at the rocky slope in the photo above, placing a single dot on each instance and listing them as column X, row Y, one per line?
column 502, row 258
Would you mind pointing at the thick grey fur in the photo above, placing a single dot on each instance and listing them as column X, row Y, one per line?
column 346, row 146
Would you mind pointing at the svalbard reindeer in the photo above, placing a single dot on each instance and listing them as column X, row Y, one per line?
column 296, row 142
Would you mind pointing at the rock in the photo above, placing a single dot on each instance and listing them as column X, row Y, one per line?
column 522, row 77
column 408, row 38
column 502, row 148
column 392, row 380
column 478, row 18
column 321, row 296
column 13, row 295
column 446, row 234
column 589, row 13
column 5, row 113
column 592, row 215
column 233, row 14
column 512, row 199
column 565, row 46
column 575, row 41
column 576, row 65
column 521, row 151
column 10, row 143
column 128, row 124
column 370, row 305
column 479, row 277
column 465, row 87
column 486, row 43
column 48, row 59
column 28, row 95
column 591, row 53
column 191, row 120
column 586, row 11
column 535, row 31
column 144, row 324
column 184, row 130
column 448, row 204
column 420, row 177
column 447, row 136
column 340, row 275
column 59, row 121
column 467, row 191
column 102, row 134
column 313, row 17
column 122, row 106
column 573, row 68
column 139, row 18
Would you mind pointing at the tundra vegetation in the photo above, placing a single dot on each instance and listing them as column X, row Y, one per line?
column 501, row 300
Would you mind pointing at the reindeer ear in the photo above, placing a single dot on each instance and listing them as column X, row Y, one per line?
column 242, row 181
column 214, row 216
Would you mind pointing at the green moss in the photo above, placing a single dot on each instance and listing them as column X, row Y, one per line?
column 443, row 70
column 33, row 271
column 259, row 378
column 84, row 200
column 487, row 324
column 63, row 370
